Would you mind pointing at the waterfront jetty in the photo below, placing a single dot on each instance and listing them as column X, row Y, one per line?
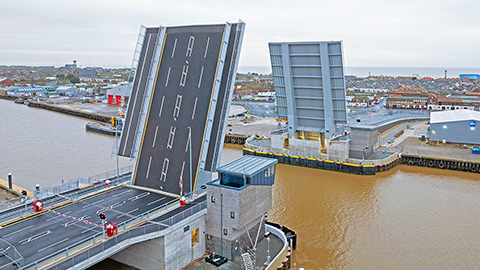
column 88, row 115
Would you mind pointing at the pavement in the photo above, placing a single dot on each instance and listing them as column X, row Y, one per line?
column 260, row 126
column 409, row 143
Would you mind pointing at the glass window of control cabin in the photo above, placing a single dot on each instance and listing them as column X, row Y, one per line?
column 213, row 199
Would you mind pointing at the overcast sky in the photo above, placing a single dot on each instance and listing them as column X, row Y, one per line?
column 406, row 33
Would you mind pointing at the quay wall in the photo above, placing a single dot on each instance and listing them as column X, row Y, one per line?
column 370, row 167
column 55, row 108
column 441, row 163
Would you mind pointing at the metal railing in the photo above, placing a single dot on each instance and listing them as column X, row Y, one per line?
column 9, row 251
column 129, row 229
column 80, row 182
column 68, row 191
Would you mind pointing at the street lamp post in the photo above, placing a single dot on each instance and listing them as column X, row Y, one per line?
column 190, row 150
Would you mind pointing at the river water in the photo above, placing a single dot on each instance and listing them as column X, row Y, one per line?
column 406, row 218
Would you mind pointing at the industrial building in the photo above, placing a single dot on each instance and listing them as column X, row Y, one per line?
column 119, row 94
column 458, row 126
column 27, row 91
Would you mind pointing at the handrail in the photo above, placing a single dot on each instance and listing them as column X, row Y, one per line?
column 6, row 251
column 124, row 227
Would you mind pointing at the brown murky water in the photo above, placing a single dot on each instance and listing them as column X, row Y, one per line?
column 407, row 218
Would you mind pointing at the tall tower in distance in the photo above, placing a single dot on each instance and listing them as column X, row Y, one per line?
column 310, row 89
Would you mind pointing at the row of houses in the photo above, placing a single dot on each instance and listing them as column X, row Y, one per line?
column 419, row 98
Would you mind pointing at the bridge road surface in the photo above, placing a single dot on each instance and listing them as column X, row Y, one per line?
column 138, row 90
column 42, row 235
column 180, row 99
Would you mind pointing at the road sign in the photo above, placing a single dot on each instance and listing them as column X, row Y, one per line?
column 102, row 216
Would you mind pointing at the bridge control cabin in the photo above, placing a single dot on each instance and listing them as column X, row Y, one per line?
column 237, row 202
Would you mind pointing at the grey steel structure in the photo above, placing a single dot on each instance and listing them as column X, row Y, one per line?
column 309, row 85
column 184, row 80
column 458, row 126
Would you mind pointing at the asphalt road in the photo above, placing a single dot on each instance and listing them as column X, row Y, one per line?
column 138, row 90
column 41, row 235
column 181, row 99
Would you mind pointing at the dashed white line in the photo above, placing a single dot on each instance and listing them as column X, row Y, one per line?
column 35, row 237
column 40, row 250
column 121, row 193
column 150, row 203
column 194, row 108
column 134, row 198
column 128, row 213
column 7, row 235
column 200, row 80
column 174, row 46
column 168, row 76
column 161, row 107
column 148, row 170
column 206, row 48
column 188, row 141
column 155, row 137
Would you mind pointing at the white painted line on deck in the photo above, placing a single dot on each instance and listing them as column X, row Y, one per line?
column 194, row 108
column 174, row 47
column 128, row 213
column 206, row 48
column 148, row 204
column 155, row 137
column 191, row 41
column 161, row 107
column 188, row 141
column 40, row 250
column 121, row 193
column 168, row 76
column 35, row 237
column 200, row 80
column 134, row 198
column 148, row 169
column 7, row 235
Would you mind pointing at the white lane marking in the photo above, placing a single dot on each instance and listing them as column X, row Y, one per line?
column 121, row 193
column 148, row 170
column 163, row 177
column 188, row 141
column 90, row 204
column 178, row 104
column 128, row 213
column 75, row 221
column 191, row 41
column 206, row 48
column 168, row 76
column 7, row 235
column 200, row 80
column 183, row 166
column 194, row 108
column 139, row 196
column 171, row 137
column 161, row 107
column 155, row 137
column 148, row 204
column 183, row 79
column 174, row 46
column 10, row 263
column 35, row 237
column 136, row 94
column 40, row 250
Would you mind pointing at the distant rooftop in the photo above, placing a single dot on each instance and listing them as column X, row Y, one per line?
column 454, row 116
column 248, row 165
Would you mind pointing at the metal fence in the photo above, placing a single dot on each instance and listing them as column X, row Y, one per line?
column 80, row 182
column 52, row 196
column 10, row 252
column 129, row 229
